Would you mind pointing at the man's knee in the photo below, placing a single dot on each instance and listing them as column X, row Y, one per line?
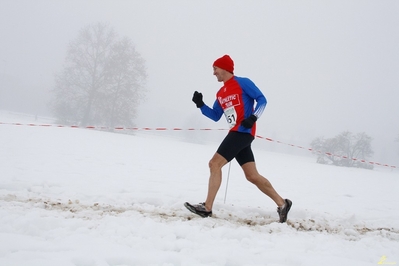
column 214, row 165
column 252, row 177
column 251, row 174
column 217, row 162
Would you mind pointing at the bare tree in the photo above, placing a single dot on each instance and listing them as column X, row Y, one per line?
column 124, row 72
column 345, row 149
column 102, row 81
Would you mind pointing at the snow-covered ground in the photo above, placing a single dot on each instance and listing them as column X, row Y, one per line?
column 89, row 198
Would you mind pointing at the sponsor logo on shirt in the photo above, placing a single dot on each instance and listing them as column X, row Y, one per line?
column 229, row 101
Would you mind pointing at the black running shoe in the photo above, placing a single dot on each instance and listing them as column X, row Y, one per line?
column 198, row 209
column 283, row 211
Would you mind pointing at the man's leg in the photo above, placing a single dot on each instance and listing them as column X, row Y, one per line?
column 252, row 175
column 215, row 179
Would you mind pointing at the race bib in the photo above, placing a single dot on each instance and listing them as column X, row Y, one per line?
column 231, row 116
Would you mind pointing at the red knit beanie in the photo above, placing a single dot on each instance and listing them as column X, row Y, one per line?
column 225, row 62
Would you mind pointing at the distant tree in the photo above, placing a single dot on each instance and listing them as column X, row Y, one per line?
column 102, row 81
column 345, row 149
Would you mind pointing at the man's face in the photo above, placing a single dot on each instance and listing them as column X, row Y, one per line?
column 219, row 73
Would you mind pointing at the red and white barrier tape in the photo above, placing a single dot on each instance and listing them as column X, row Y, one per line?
column 114, row 128
column 329, row 153
column 194, row 129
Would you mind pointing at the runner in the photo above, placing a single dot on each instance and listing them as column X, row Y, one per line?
column 236, row 100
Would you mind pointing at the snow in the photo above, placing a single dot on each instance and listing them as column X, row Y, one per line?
column 89, row 198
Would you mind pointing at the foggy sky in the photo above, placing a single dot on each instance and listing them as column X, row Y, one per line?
column 324, row 66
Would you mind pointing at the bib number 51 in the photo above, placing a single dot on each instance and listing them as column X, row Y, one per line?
column 231, row 116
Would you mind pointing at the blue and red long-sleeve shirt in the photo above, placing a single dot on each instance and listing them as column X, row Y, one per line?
column 236, row 100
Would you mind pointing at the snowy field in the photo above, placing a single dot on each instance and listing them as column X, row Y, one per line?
column 79, row 197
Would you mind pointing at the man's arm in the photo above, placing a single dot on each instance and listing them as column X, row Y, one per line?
column 213, row 113
column 254, row 92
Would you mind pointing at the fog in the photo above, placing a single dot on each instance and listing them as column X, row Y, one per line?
column 324, row 66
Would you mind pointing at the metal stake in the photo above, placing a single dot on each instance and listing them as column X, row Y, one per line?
column 227, row 183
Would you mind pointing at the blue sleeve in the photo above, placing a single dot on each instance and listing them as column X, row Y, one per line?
column 254, row 92
column 214, row 113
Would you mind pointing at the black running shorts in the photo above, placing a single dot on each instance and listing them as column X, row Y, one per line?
column 237, row 145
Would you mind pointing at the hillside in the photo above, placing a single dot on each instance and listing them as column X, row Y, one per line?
column 84, row 197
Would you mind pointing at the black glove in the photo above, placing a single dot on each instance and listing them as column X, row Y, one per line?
column 249, row 122
column 197, row 99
